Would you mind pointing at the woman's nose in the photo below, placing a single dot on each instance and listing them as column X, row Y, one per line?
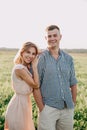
column 31, row 56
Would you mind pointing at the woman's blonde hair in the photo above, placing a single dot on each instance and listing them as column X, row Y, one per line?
column 25, row 47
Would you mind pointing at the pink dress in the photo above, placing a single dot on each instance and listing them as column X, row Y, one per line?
column 19, row 110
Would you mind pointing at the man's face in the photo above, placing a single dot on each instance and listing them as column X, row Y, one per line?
column 53, row 38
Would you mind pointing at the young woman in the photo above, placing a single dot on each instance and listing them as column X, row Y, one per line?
column 19, row 110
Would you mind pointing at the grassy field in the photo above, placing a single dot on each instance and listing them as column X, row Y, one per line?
column 81, row 73
column 80, row 60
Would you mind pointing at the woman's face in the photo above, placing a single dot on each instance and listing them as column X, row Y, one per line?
column 29, row 55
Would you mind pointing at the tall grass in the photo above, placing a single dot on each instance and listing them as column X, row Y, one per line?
column 6, row 92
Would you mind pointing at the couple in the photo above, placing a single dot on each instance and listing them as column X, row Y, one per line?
column 52, row 82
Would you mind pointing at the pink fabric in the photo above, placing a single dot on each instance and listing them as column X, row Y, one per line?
column 19, row 110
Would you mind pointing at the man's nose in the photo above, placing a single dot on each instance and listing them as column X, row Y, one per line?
column 52, row 37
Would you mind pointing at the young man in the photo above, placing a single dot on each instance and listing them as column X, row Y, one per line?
column 57, row 94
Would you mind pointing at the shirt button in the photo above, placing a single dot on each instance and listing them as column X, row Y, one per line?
column 61, row 84
column 62, row 91
column 58, row 68
column 59, row 76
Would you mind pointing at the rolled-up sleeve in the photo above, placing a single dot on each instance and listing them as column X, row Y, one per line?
column 73, row 80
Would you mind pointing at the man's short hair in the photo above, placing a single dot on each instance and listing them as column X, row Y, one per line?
column 52, row 27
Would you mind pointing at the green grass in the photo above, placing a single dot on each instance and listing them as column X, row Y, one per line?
column 81, row 73
column 6, row 92
column 80, row 116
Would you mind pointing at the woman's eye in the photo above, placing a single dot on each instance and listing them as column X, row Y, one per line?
column 34, row 54
column 28, row 52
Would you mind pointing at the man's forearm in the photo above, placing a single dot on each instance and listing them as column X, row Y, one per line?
column 74, row 93
column 38, row 98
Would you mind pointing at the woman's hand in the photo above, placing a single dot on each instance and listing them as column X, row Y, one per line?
column 35, row 62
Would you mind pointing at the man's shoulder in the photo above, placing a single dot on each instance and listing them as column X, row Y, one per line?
column 44, row 53
column 66, row 55
column 43, row 58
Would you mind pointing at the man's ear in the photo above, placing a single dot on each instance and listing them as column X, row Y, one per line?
column 45, row 38
column 60, row 36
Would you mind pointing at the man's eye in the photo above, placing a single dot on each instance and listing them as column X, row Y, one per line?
column 55, row 35
column 49, row 36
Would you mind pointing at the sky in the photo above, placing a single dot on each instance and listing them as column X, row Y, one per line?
column 26, row 20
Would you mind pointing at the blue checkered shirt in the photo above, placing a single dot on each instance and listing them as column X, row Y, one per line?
column 56, row 78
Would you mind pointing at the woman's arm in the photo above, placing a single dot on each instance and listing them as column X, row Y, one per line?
column 24, row 75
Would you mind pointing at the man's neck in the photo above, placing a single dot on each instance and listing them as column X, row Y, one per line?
column 54, row 52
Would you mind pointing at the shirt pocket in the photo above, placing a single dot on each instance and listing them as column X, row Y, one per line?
column 65, row 72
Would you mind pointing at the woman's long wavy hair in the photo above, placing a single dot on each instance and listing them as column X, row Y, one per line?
column 25, row 47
